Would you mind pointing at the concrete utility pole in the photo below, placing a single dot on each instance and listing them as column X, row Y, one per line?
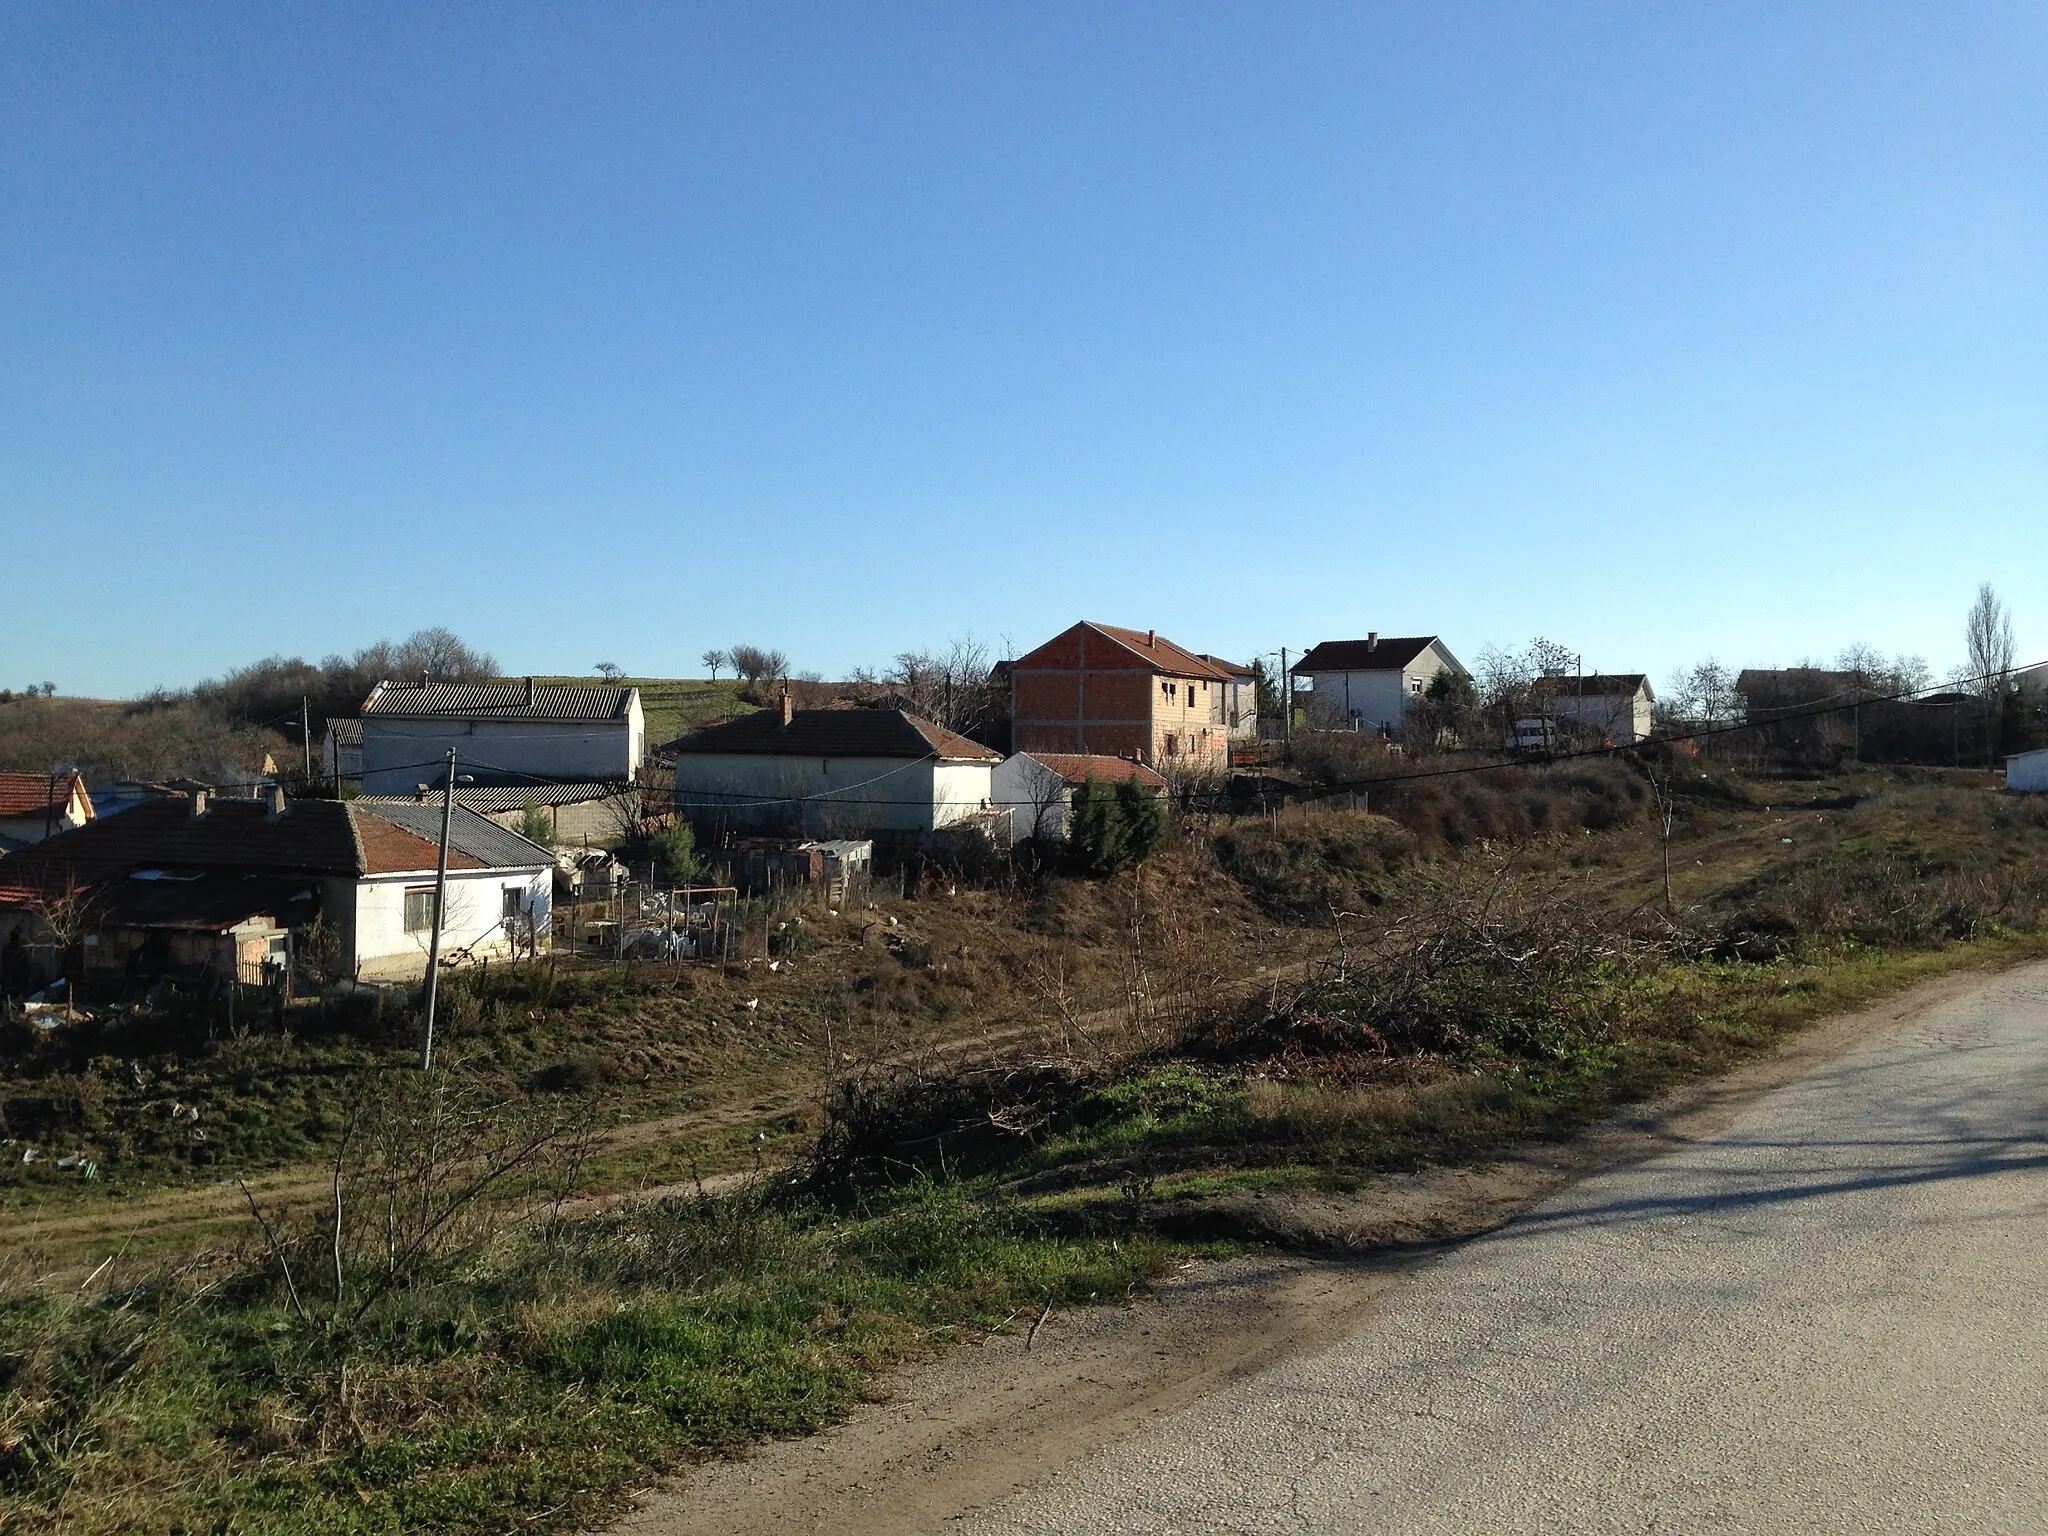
column 1286, row 707
column 306, row 730
column 440, row 903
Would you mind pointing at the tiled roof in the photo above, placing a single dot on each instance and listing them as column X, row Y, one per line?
column 835, row 733
column 313, row 838
column 1162, row 654
column 1080, row 767
column 1388, row 653
column 481, row 841
column 1231, row 667
column 1596, row 685
column 38, row 794
column 510, row 699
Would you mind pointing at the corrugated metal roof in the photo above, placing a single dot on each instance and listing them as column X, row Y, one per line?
column 492, row 846
column 509, row 699
column 835, row 733
column 347, row 730
column 490, row 800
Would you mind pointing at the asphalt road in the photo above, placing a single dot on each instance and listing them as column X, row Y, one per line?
column 1826, row 1318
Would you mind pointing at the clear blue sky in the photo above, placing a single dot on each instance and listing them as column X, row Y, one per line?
column 606, row 332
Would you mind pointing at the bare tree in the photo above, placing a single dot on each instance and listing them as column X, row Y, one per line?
column 714, row 659
column 610, row 671
column 1988, row 633
column 950, row 687
column 757, row 664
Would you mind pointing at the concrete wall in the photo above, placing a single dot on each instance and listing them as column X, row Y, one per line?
column 474, row 918
column 399, row 754
column 1623, row 719
column 824, row 797
column 586, row 824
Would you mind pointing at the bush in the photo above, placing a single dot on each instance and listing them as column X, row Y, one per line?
column 1112, row 828
column 675, row 852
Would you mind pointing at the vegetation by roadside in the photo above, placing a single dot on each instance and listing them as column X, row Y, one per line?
column 454, row 1342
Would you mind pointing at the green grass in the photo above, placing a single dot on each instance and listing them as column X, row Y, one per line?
column 674, row 705
column 527, row 1389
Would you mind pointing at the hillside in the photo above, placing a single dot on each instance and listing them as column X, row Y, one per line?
column 674, row 705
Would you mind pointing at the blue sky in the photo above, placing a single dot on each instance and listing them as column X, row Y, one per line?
column 614, row 333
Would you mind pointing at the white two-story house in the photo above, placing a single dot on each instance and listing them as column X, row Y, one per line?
column 1371, row 684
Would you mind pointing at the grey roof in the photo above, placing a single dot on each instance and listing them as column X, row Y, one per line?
column 483, row 840
column 489, row 799
column 519, row 698
column 1387, row 653
column 835, row 733
column 1598, row 685
column 347, row 730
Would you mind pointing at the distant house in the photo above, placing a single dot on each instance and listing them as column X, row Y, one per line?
column 574, row 815
column 2028, row 772
column 1096, row 688
column 1371, row 684
column 507, row 732
column 831, row 773
column 341, row 750
column 1240, row 702
column 1037, row 789
column 1615, row 705
column 205, row 887
column 34, row 806
column 1767, row 693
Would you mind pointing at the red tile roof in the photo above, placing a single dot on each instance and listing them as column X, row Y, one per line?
column 38, row 794
column 1163, row 654
column 1080, row 767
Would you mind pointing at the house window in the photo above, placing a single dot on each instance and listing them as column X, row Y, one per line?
column 515, row 902
column 1166, row 689
column 419, row 909
column 1172, row 744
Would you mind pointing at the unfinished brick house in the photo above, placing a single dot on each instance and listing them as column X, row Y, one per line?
column 1131, row 693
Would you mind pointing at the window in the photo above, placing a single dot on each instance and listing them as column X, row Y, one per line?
column 1172, row 745
column 515, row 902
column 1166, row 689
column 1191, row 695
column 419, row 909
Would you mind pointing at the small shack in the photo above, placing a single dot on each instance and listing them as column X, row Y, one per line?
column 2027, row 772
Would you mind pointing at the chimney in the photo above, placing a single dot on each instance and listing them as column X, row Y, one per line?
column 1372, row 639
column 198, row 802
column 788, row 708
column 529, row 693
column 1151, row 638
column 277, row 799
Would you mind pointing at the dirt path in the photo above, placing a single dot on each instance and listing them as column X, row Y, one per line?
column 965, row 1432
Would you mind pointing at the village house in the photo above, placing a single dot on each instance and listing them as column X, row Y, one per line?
column 2027, row 772
column 1036, row 789
column 1239, row 710
column 204, row 887
column 341, row 751
column 34, row 806
column 1371, row 684
column 1617, row 706
column 1096, row 688
column 831, row 773
column 507, row 732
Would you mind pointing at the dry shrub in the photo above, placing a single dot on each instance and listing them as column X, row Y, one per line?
column 1308, row 866
column 1482, row 960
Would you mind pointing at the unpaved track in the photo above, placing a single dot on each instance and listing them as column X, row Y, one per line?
column 1817, row 1307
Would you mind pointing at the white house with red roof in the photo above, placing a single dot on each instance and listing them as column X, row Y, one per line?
column 34, row 806
column 1036, row 789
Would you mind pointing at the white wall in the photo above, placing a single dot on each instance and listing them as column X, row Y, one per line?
column 474, row 918
column 399, row 754
column 1378, row 700
column 2028, row 771
column 1037, row 799
column 1623, row 719
column 826, row 796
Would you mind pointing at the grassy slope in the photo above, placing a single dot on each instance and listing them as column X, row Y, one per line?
column 674, row 705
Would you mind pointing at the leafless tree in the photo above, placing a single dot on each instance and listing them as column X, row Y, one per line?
column 757, row 664
column 1988, row 633
column 950, row 687
column 714, row 659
